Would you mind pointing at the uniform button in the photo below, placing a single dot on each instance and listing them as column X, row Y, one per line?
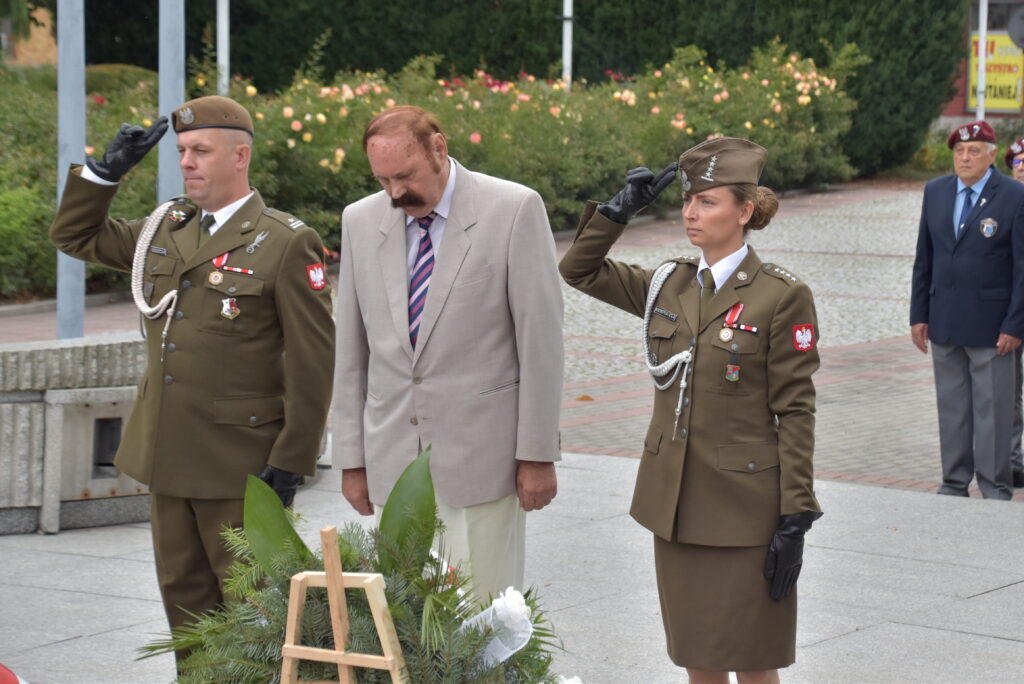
column 168, row 379
column 417, row 380
column 171, row 347
column 414, row 421
column 178, row 315
column 735, row 347
column 185, row 284
column 751, row 467
column 152, row 268
column 252, row 420
column 693, row 341
column 232, row 289
column 686, row 401
column 682, row 432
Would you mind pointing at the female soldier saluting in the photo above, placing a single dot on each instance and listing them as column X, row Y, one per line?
column 725, row 481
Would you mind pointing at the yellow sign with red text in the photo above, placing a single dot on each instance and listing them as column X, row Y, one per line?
column 1004, row 68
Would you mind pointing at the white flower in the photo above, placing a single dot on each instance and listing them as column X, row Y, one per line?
column 509, row 619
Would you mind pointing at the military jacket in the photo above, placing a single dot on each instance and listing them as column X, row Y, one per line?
column 245, row 375
column 741, row 454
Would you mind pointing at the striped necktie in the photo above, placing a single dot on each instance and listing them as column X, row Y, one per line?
column 965, row 211
column 420, row 277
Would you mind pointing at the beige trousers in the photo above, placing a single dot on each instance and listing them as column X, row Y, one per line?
column 487, row 542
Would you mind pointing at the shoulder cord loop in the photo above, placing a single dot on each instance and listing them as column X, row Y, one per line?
column 169, row 300
column 679, row 365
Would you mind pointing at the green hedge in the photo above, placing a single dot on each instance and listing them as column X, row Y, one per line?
column 569, row 146
column 914, row 45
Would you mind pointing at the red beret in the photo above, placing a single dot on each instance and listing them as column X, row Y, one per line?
column 978, row 131
column 1015, row 148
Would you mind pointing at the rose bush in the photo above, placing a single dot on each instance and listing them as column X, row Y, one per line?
column 570, row 145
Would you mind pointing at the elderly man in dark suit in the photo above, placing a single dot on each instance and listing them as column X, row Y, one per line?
column 968, row 299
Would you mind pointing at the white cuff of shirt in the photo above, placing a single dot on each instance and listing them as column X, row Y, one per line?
column 88, row 175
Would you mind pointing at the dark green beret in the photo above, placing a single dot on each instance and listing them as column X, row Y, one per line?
column 212, row 111
column 721, row 161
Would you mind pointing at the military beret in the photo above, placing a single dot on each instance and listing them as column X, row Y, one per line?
column 721, row 161
column 1015, row 148
column 212, row 111
column 978, row 131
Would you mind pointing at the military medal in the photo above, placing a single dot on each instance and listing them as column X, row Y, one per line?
column 732, row 372
column 229, row 308
column 238, row 269
column 725, row 334
column 989, row 227
column 215, row 278
column 177, row 216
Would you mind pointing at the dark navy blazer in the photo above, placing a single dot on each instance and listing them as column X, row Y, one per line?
column 968, row 290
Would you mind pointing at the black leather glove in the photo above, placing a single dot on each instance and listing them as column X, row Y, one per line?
column 642, row 188
column 786, row 552
column 127, row 149
column 282, row 482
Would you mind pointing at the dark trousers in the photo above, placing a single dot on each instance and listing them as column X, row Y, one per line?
column 191, row 561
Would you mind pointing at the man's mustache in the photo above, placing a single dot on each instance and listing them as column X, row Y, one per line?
column 409, row 199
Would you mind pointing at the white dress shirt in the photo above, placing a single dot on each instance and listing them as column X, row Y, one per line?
column 724, row 268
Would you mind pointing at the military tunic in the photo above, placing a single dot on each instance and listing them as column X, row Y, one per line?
column 740, row 454
column 245, row 377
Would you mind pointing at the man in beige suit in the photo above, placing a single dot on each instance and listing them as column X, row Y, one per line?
column 449, row 334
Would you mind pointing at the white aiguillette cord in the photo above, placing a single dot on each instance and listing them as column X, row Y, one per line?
column 679, row 365
column 168, row 301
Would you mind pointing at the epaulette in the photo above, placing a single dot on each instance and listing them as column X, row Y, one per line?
column 285, row 219
column 779, row 272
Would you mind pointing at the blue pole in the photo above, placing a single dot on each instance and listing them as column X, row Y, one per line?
column 70, row 148
column 172, row 93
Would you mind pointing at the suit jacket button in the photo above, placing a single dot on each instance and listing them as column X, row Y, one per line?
column 185, row 284
column 682, row 432
column 414, row 421
column 178, row 315
column 252, row 420
column 168, row 379
column 751, row 467
column 417, row 380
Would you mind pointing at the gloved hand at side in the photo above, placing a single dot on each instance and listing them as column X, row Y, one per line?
column 282, row 482
column 786, row 552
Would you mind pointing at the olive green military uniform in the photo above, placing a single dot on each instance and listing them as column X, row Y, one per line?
column 243, row 381
column 712, row 486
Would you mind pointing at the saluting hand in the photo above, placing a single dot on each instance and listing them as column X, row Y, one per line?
column 127, row 149
column 642, row 187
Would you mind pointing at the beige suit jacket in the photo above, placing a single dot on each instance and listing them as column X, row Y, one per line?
column 484, row 384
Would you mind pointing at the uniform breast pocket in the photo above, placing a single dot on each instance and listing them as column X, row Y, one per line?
column 159, row 270
column 227, row 301
column 736, row 350
column 665, row 338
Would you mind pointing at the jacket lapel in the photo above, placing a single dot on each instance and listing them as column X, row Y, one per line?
column 726, row 296
column 394, row 269
column 232, row 235
column 689, row 303
column 186, row 237
column 450, row 255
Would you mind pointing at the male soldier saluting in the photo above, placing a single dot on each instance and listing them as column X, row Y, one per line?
column 239, row 335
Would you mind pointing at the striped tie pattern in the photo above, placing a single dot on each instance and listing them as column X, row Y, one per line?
column 420, row 277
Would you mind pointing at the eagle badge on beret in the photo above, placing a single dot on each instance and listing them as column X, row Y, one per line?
column 186, row 116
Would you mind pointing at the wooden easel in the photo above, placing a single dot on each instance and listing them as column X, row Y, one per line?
column 336, row 582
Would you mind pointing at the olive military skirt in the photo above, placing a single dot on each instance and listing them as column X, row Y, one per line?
column 717, row 612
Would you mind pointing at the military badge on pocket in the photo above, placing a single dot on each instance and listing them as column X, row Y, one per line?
column 229, row 308
column 732, row 372
column 989, row 227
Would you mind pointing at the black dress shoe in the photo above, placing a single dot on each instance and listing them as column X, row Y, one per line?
column 1018, row 479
